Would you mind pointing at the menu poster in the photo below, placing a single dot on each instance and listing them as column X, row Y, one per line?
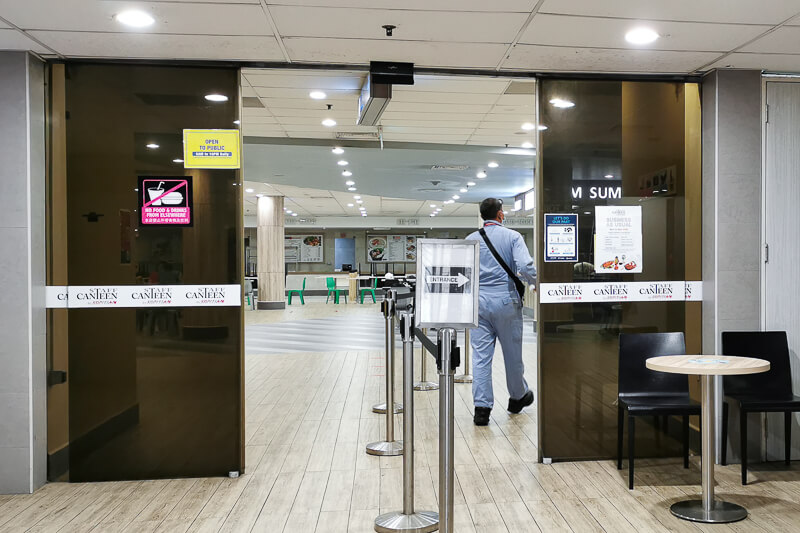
column 618, row 242
column 391, row 248
column 310, row 247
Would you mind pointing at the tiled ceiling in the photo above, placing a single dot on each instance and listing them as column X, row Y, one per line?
column 318, row 203
column 436, row 109
column 531, row 35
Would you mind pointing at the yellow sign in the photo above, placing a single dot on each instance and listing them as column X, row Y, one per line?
column 211, row 149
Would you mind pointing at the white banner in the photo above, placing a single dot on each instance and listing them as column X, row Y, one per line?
column 89, row 297
column 637, row 291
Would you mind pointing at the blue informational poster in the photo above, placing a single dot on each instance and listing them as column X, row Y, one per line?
column 561, row 238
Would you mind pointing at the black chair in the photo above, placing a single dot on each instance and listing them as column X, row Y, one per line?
column 767, row 392
column 645, row 392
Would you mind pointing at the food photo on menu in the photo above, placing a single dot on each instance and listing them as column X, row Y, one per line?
column 377, row 248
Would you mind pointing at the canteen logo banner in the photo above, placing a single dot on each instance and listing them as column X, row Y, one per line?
column 82, row 297
column 153, row 296
column 140, row 296
column 642, row 291
column 562, row 292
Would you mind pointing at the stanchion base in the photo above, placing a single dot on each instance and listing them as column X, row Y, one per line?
column 721, row 513
column 383, row 447
column 463, row 378
column 419, row 522
column 381, row 408
column 426, row 385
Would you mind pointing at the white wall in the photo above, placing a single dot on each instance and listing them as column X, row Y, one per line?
column 23, row 392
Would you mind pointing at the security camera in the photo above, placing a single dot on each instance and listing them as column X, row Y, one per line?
column 388, row 28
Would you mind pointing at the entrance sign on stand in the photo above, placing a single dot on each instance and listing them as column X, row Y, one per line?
column 447, row 283
column 211, row 149
column 618, row 243
column 561, row 238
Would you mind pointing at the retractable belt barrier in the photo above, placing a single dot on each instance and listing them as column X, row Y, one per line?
column 388, row 446
column 408, row 520
column 448, row 358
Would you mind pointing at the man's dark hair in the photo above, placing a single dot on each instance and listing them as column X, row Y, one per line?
column 490, row 208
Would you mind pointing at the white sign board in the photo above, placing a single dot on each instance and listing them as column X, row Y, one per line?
column 634, row 291
column 447, row 283
column 88, row 297
column 309, row 247
column 618, row 241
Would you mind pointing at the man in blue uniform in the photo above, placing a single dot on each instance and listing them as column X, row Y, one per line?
column 500, row 311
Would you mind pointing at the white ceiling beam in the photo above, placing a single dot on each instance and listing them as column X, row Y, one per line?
column 275, row 31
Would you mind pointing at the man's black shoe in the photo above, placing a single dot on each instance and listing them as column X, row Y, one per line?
column 481, row 417
column 515, row 406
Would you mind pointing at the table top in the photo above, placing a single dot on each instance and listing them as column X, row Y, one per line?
column 707, row 365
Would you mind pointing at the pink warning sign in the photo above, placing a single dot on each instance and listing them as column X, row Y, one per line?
column 165, row 201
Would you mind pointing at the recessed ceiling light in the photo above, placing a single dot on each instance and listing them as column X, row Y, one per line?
column 433, row 206
column 359, row 201
column 362, row 208
column 433, row 214
column 481, row 174
column 349, row 183
column 470, row 184
column 493, row 164
column 261, row 196
column 463, row 189
column 356, row 197
column 294, row 214
column 561, row 103
column 527, row 145
column 342, row 163
column 363, row 214
column 349, row 205
column 456, row 197
column 641, row 36
column 152, row 146
column 216, row 97
column 438, row 209
column 347, row 174
column 351, row 189
column 329, row 122
column 541, row 127
column 528, row 126
column 317, row 95
column 135, row 19
column 249, row 190
column 608, row 176
column 177, row 160
column 449, row 202
column 237, row 122
column 338, row 151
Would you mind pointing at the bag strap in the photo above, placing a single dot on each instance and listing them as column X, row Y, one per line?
column 517, row 282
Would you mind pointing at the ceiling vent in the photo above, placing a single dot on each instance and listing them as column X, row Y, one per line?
column 449, row 167
column 521, row 87
column 252, row 101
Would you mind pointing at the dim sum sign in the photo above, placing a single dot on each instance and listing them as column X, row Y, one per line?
column 165, row 201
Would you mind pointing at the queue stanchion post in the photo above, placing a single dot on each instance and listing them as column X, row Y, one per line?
column 389, row 308
column 408, row 520
column 423, row 384
column 447, row 361
column 390, row 446
column 466, row 377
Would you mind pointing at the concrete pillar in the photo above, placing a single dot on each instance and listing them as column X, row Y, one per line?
column 731, row 217
column 271, row 275
column 23, row 340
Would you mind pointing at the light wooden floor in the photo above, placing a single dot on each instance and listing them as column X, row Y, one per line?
column 308, row 420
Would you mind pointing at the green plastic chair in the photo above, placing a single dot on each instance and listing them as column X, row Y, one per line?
column 332, row 290
column 370, row 290
column 299, row 293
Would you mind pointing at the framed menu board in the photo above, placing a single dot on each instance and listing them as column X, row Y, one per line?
column 392, row 248
column 310, row 247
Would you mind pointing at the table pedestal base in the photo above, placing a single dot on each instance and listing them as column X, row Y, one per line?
column 720, row 513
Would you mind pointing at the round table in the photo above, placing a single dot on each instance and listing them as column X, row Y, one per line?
column 708, row 510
